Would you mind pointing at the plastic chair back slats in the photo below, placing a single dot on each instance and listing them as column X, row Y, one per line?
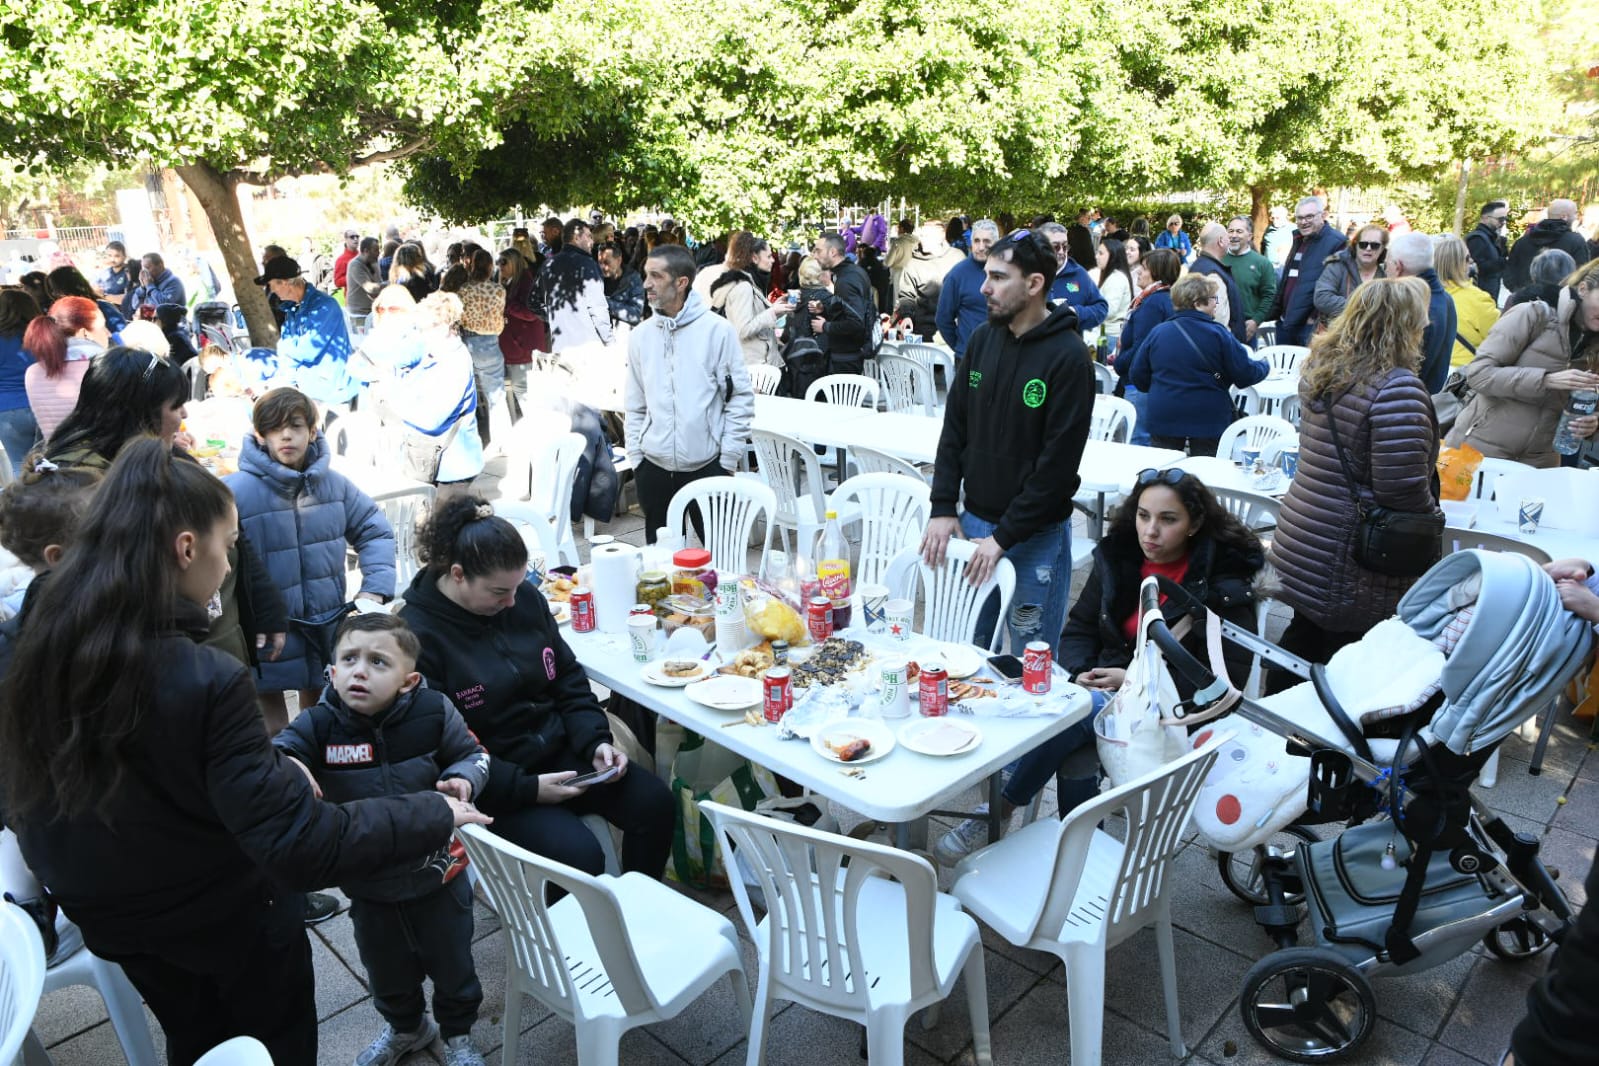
column 894, row 510
column 729, row 508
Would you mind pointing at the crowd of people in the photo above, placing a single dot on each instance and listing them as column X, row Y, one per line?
column 158, row 617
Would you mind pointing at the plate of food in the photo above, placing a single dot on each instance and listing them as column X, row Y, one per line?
column 961, row 660
column 828, row 662
column 675, row 673
column 751, row 662
column 853, row 740
column 940, row 736
column 726, row 692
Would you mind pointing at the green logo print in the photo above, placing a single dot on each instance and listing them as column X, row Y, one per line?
column 1033, row 393
column 974, row 378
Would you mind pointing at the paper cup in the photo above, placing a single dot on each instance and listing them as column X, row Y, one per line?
column 874, row 601
column 1531, row 512
column 641, row 637
column 894, row 692
column 1251, row 457
column 897, row 618
column 1290, row 460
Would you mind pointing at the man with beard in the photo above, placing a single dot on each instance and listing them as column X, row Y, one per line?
column 1014, row 431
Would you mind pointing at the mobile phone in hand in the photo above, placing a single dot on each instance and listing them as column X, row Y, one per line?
column 598, row 777
column 1007, row 666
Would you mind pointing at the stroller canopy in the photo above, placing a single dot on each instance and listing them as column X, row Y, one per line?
column 1517, row 651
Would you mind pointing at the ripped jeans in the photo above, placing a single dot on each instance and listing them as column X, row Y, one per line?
column 1043, row 565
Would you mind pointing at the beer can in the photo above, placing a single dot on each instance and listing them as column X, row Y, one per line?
column 582, row 607
column 780, row 652
column 778, row 692
column 1037, row 667
column 819, row 618
column 640, row 609
column 932, row 690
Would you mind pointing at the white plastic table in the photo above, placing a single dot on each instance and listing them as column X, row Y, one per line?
column 1275, row 390
column 901, row 788
column 809, row 420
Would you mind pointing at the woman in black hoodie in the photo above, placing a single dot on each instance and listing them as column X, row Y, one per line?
column 490, row 643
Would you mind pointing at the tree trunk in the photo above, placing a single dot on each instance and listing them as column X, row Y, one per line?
column 1460, row 196
column 218, row 194
column 1260, row 212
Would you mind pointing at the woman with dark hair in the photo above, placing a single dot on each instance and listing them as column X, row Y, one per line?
column 482, row 322
column 1137, row 249
column 180, row 349
column 955, row 235
column 18, row 428
column 524, row 331
column 62, row 343
column 741, row 299
column 37, row 284
column 69, row 281
column 1346, row 270
column 123, row 740
column 490, row 643
column 1150, row 308
column 1115, row 281
column 1169, row 526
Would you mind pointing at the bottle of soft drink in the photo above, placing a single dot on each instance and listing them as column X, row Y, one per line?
column 832, row 569
column 1583, row 402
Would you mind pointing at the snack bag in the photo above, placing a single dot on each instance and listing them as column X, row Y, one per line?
column 769, row 615
column 1457, row 467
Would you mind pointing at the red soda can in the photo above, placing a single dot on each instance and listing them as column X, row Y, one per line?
column 641, row 609
column 1038, row 666
column 778, row 689
column 932, row 690
column 819, row 618
column 582, row 607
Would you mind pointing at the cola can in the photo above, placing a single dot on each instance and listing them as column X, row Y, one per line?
column 1037, row 667
column 582, row 607
column 641, row 609
column 819, row 618
column 932, row 690
column 778, row 692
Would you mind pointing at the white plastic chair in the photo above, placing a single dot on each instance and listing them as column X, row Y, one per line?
column 1104, row 379
column 1490, row 470
column 893, row 511
column 1253, row 509
column 1266, row 432
column 359, row 437
column 950, row 606
column 931, row 356
column 1266, row 335
column 852, row 929
column 850, row 390
column 547, row 466
column 729, row 507
column 1113, row 419
column 764, row 378
column 1282, row 356
column 403, row 508
column 6, row 475
column 872, row 461
column 21, row 977
column 1071, row 889
column 907, row 385
column 614, row 954
column 240, row 1051
column 793, row 471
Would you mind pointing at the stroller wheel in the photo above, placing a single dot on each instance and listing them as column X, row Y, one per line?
column 1517, row 939
column 1243, row 871
column 1307, row 1004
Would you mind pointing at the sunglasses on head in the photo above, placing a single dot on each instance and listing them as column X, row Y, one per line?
column 1170, row 476
column 155, row 360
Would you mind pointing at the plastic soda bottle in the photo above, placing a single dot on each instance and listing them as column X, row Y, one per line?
column 832, row 570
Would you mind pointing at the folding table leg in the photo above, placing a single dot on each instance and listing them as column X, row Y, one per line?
column 912, row 835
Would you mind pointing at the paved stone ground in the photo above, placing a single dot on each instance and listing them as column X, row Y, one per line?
column 1459, row 1013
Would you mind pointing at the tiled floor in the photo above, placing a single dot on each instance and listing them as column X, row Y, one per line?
column 1458, row 1013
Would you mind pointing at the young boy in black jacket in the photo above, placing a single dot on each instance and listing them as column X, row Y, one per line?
column 378, row 731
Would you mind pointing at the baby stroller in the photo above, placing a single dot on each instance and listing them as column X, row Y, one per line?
column 1423, row 870
column 214, row 323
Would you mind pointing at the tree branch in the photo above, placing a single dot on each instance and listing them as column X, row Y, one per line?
column 391, row 154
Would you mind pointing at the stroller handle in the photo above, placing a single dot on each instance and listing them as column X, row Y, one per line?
column 1193, row 671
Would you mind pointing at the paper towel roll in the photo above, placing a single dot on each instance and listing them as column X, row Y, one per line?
column 613, row 571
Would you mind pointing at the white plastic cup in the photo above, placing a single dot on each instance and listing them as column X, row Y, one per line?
column 898, row 615
column 641, row 630
column 874, row 604
column 1530, row 514
column 894, row 691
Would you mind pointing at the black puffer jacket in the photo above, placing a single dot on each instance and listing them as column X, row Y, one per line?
column 211, row 821
column 516, row 682
column 1390, row 434
column 412, row 746
column 1219, row 575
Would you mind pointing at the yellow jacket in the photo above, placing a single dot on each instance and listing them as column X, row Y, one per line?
column 1475, row 315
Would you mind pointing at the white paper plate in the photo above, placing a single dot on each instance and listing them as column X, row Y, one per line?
column 726, row 692
column 655, row 673
column 869, row 729
column 961, row 660
column 927, row 736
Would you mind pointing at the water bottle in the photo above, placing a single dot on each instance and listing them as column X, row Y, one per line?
column 1583, row 402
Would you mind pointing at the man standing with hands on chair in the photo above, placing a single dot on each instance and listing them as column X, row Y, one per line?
column 1014, row 431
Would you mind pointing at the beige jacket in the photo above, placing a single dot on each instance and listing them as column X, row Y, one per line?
column 740, row 302
column 1513, row 413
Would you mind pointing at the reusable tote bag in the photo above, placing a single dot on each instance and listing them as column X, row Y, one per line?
column 708, row 771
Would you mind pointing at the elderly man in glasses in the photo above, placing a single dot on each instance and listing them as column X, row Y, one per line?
column 1294, row 307
column 1072, row 284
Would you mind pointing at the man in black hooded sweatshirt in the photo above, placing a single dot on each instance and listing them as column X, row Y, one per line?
column 1557, row 230
column 1014, row 431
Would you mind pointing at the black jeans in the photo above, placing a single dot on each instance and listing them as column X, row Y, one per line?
column 657, row 486
column 401, row 943
column 1192, row 445
column 259, row 984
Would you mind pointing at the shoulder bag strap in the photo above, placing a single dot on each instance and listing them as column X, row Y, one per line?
column 1464, row 343
column 1343, row 458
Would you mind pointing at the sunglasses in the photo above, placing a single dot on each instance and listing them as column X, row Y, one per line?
column 155, row 360
column 1368, row 246
column 1170, row 476
column 1018, row 234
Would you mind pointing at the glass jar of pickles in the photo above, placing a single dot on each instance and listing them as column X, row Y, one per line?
column 653, row 588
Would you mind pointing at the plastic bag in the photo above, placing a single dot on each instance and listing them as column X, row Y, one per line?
column 707, row 771
column 1457, row 468
column 770, row 615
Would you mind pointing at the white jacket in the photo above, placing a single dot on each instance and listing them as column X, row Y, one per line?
column 679, row 414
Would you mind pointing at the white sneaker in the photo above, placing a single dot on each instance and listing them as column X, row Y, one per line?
column 390, row 1047
column 458, row 1051
column 964, row 839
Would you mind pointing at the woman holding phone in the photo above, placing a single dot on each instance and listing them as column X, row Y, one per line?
column 490, row 643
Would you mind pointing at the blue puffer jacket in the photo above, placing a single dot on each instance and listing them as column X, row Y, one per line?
column 1185, row 365
column 299, row 522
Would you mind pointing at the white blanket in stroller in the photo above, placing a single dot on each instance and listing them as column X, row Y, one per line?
column 1256, row 788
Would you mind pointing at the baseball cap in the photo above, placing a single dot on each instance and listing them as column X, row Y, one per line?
column 280, row 269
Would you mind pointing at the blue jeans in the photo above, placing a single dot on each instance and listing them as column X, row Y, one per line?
column 18, row 432
column 1140, row 402
column 1043, row 565
column 488, row 367
column 1032, row 771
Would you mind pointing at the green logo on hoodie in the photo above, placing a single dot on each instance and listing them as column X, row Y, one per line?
column 974, row 379
column 1033, row 392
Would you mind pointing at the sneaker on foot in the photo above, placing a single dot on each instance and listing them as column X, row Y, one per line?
column 390, row 1047
column 458, row 1051
column 964, row 839
column 319, row 907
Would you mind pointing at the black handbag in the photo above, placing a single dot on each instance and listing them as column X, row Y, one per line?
column 1388, row 541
